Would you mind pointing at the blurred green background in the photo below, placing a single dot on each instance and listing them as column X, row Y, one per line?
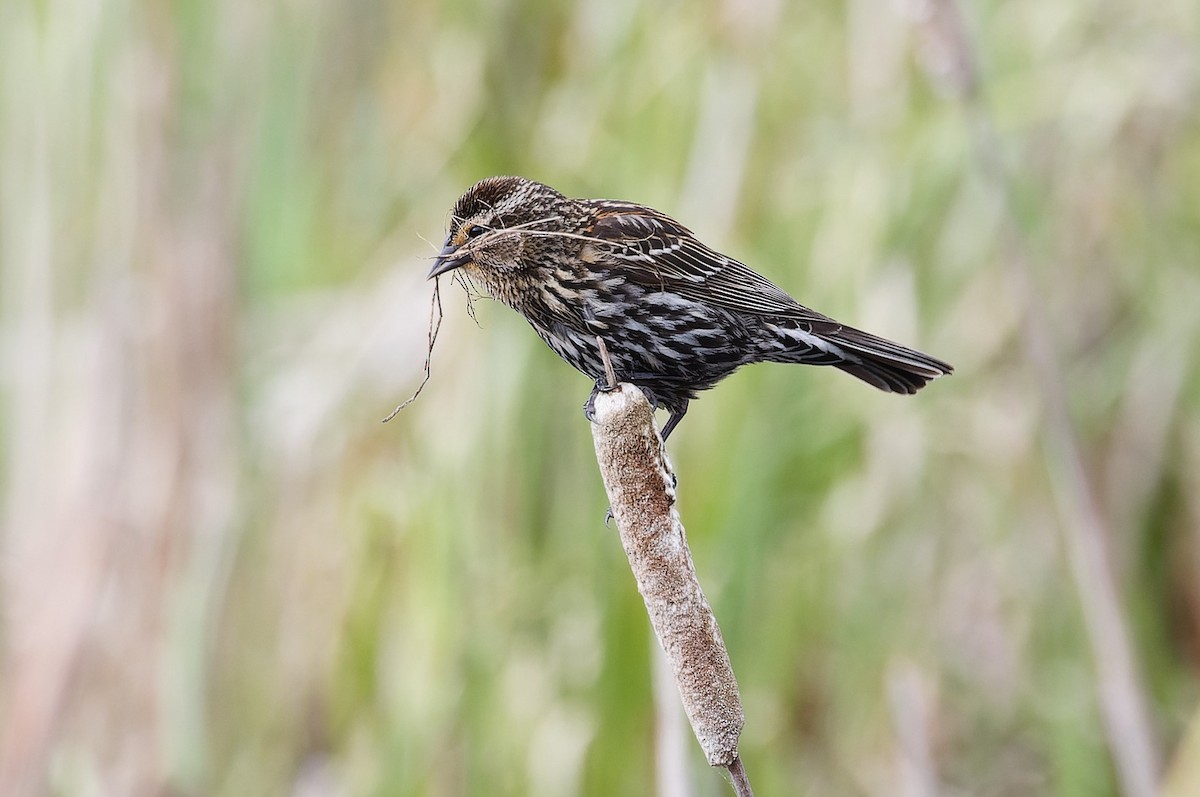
column 223, row 576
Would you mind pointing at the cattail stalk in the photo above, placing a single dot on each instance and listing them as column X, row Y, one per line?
column 640, row 486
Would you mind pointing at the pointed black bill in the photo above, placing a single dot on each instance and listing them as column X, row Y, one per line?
column 448, row 259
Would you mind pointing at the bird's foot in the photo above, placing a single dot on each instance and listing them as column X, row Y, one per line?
column 589, row 406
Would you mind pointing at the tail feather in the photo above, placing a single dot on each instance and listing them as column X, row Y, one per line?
column 886, row 365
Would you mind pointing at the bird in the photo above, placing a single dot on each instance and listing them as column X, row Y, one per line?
column 675, row 315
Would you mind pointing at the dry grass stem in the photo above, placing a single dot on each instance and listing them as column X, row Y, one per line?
column 435, row 323
column 1085, row 529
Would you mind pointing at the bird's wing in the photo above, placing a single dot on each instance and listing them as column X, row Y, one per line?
column 660, row 252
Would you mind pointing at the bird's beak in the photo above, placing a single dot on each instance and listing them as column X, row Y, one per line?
column 450, row 258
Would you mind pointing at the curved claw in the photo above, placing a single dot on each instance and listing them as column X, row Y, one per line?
column 608, row 515
column 589, row 406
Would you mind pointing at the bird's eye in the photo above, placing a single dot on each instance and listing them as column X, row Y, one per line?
column 474, row 231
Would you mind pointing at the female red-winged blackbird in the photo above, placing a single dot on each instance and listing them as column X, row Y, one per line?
column 675, row 316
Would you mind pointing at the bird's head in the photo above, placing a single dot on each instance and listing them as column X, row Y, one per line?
column 501, row 225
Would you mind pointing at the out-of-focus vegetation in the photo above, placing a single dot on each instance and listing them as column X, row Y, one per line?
column 223, row 576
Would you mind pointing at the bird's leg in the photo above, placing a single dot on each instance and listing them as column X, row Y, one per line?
column 589, row 406
column 604, row 384
column 674, row 420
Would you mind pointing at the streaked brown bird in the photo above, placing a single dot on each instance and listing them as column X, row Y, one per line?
column 676, row 316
